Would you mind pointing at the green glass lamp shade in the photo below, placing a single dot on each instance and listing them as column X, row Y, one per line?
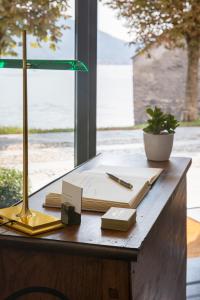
column 73, row 65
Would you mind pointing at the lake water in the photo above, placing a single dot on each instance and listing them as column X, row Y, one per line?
column 51, row 97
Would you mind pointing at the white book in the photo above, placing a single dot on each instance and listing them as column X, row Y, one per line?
column 100, row 192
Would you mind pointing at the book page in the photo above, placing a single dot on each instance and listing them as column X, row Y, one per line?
column 98, row 186
column 149, row 174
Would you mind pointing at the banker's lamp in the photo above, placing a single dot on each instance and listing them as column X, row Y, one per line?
column 21, row 217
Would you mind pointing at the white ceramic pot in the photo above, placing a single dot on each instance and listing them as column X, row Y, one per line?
column 158, row 147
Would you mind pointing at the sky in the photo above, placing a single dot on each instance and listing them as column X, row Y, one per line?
column 108, row 22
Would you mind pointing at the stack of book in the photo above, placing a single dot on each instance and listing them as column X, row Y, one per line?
column 118, row 218
column 53, row 200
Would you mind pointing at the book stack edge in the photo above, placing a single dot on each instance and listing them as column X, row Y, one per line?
column 118, row 218
column 53, row 200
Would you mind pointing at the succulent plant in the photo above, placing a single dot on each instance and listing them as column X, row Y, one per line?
column 160, row 122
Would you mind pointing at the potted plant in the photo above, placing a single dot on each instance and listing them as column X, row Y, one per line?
column 159, row 134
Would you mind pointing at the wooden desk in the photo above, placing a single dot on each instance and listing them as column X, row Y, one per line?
column 86, row 263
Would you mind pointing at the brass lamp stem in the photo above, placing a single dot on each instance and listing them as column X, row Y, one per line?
column 23, row 219
column 25, row 212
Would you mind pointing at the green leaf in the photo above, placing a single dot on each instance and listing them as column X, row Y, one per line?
column 160, row 122
column 149, row 111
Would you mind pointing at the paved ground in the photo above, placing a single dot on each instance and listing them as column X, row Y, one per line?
column 51, row 154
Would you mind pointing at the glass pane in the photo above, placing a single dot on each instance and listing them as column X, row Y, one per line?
column 51, row 109
column 114, row 82
column 51, row 113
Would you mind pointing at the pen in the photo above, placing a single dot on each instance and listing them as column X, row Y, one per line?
column 120, row 181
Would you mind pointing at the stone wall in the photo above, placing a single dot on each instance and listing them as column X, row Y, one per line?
column 159, row 80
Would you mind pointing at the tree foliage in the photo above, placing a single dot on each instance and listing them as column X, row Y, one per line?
column 38, row 17
column 176, row 23
column 177, row 19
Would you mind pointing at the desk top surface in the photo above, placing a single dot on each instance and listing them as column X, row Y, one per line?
column 89, row 238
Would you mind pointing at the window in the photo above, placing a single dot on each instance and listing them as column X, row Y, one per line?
column 114, row 80
column 53, row 104
column 51, row 100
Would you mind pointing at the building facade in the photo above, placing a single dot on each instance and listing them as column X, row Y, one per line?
column 160, row 79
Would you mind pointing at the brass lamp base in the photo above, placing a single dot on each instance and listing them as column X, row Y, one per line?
column 37, row 223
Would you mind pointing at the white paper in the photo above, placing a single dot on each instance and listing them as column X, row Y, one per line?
column 72, row 194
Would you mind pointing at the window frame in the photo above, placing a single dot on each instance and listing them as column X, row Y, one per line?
column 85, row 83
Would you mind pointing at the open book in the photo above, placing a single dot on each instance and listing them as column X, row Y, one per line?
column 100, row 192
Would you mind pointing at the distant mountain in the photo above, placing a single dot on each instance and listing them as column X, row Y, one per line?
column 111, row 50
column 114, row 51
